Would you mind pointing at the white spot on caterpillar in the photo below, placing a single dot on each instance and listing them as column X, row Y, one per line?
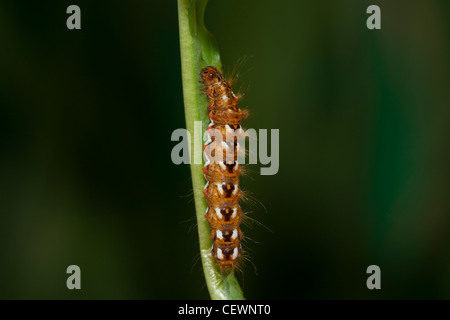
column 236, row 187
column 206, row 185
column 234, row 213
column 219, row 187
column 228, row 129
column 222, row 165
column 219, row 254
column 219, row 234
column 218, row 213
column 235, row 254
column 235, row 234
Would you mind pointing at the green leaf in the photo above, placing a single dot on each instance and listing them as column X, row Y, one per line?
column 199, row 49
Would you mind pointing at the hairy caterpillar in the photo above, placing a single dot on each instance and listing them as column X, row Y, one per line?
column 222, row 169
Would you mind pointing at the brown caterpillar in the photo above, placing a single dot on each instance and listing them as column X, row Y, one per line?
column 222, row 170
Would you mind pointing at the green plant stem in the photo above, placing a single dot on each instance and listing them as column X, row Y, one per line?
column 199, row 49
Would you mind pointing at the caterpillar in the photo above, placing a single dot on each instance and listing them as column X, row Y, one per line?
column 222, row 169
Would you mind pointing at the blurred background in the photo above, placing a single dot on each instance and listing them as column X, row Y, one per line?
column 87, row 178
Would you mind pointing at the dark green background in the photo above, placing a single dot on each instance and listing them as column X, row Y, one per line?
column 87, row 179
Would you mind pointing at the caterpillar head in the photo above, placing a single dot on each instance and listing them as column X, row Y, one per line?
column 210, row 75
